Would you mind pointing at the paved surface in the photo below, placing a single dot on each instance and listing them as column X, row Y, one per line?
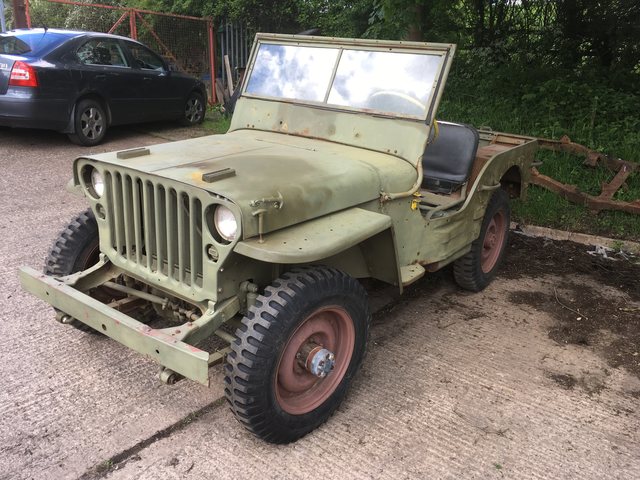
column 455, row 385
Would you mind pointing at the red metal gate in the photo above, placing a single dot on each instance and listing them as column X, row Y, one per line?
column 187, row 42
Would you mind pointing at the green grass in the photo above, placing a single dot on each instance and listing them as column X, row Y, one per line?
column 551, row 104
column 215, row 122
column 547, row 209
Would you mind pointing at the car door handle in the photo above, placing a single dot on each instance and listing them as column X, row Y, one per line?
column 101, row 77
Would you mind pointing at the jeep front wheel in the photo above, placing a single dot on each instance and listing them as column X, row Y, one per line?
column 297, row 352
column 76, row 249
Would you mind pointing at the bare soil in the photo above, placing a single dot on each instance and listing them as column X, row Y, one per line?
column 584, row 315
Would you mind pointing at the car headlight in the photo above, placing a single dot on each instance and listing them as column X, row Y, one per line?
column 225, row 223
column 97, row 182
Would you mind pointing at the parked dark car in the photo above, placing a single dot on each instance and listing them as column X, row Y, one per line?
column 81, row 83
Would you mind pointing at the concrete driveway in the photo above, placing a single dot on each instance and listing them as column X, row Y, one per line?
column 455, row 385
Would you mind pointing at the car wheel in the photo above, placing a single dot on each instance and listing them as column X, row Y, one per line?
column 475, row 270
column 193, row 110
column 296, row 353
column 76, row 249
column 90, row 123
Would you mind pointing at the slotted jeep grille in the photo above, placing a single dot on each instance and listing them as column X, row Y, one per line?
column 157, row 228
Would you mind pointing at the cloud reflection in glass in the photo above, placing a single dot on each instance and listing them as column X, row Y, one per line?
column 390, row 82
column 292, row 72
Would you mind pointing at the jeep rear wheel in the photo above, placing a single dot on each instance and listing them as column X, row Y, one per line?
column 475, row 270
column 296, row 353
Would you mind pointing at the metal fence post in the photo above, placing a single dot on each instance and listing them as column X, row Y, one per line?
column 19, row 14
column 3, row 24
column 132, row 24
column 27, row 13
column 212, row 60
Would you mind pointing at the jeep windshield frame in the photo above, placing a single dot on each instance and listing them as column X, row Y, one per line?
column 382, row 78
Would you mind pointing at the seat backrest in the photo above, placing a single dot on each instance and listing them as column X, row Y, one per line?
column 447, row 161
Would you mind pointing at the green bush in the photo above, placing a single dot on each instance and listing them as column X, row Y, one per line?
column 541, row 101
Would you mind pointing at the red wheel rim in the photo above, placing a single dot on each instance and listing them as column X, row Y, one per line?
column 297, row 390
column 493, row 240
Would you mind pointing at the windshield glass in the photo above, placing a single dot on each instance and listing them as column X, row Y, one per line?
column 385, row 81
column 395, row 83
column 296, row 73
column 29, row 44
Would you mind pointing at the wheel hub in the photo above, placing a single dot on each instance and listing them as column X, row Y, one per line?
column 316, row 359
column 491, row 240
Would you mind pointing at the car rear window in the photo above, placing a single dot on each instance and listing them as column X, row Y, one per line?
column 29, row 43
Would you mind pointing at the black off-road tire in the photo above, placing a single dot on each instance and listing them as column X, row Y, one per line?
column 468, row 270
column 251, row 373
column 194, row 110
column 90, row 123
column 76, row 248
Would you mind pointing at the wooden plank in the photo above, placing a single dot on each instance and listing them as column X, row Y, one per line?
column 227, row 67
column 609, row 189
column 221, row 93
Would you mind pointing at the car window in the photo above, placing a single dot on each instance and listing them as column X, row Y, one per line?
column 102, row 52
column 31, row 43
column 145, row 58
column 13, row 45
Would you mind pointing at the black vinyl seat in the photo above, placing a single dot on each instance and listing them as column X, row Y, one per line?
column 447, row 161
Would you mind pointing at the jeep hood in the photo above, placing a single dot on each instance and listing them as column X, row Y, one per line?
column 312, row 177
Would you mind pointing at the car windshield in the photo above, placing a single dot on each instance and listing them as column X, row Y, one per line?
column 29, row 43
column 390, row 82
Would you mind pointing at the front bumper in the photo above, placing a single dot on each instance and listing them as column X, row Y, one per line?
column 167, row 350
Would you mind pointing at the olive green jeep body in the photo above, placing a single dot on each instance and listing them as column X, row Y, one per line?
column 329, row 188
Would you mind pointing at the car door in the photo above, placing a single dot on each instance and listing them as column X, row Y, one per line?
column 105, row 69
column 161, row 98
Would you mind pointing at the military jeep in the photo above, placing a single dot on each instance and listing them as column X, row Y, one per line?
column 250, row 248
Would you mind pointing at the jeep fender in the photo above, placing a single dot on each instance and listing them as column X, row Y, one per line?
column 357, row 241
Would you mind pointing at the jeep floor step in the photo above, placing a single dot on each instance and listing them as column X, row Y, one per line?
column 411, row 273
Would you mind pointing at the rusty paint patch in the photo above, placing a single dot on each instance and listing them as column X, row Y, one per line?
column 605, row 200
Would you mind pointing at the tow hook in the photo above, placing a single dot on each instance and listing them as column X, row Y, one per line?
column 63, row 318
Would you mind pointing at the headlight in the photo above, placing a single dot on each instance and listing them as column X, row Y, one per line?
column 226, row 223
column 97, row 182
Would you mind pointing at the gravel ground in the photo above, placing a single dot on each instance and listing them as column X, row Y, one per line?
column 455, row 385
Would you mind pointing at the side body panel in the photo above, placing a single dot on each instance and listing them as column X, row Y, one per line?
column 449, row 235
column 379, row 238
